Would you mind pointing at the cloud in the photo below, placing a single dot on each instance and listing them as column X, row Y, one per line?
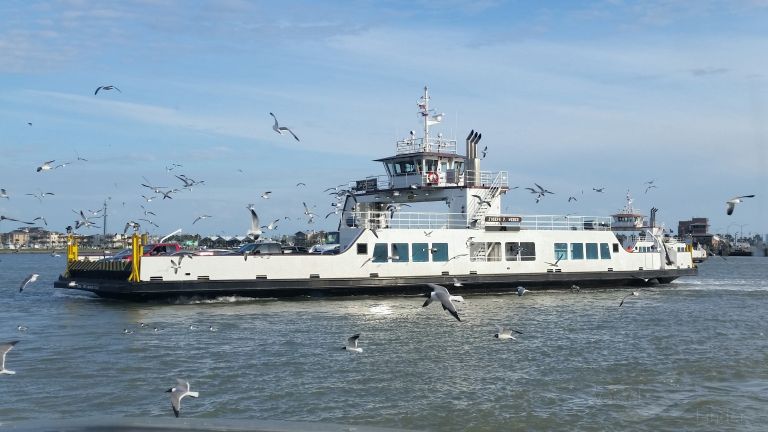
column 709, row 71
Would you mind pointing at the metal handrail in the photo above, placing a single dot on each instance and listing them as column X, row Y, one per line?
column 414, row 145
column 436, row 220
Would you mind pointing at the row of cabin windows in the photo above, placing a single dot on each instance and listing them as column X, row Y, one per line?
column 579, row 251
column 401, row 252
column 513, row 251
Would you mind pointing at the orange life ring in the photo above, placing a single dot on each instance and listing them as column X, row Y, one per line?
column 432, row 177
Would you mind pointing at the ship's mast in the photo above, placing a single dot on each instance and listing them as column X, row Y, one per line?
column 424, row 108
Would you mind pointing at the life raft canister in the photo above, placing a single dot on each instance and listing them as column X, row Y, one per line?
column 432, row 177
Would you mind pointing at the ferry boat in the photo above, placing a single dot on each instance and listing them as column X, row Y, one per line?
column 392, row 241
column 637, row 235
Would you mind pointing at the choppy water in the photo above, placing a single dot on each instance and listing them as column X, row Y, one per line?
column 692, row 355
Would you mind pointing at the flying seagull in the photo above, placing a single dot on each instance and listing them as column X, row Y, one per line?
column 521, row 291
column 46, row 166
column 441, row 293
column 505, row 333
column 266, row 194
column 4, row 348
column 200, row 217
column 554, row 264
column 255, row 230
column 28, row 280
column 2, row 218
column 735, row 200
column 352, row 344
column 178, row 393
column 279, row 129
column 632, row 294
column 4, row 194
column 481, row 201
column 600, row 189
column 106, row 87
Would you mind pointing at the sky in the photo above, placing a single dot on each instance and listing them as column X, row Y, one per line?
column 570, row 95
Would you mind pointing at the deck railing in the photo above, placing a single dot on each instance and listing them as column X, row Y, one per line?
column 433, row 220
column 437, row 145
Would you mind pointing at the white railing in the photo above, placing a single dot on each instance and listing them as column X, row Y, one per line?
column 433, row 220
column 488, row 179
column 438, row 145
column 559, row 222
column 408, row 220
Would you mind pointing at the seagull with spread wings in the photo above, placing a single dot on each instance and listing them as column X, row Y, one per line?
column 280, row 129
column 736, row 200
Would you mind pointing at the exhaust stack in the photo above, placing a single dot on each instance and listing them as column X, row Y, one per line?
column 473, row 162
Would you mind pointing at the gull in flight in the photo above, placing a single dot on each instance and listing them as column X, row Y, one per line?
column 521, row 291
column 178, row 393
column 255, row 230
column 446, row 299
column 46, row 166
column 266, row 194
column 650, row 187
column 200, row 217
column 176, row 265
column 632, row 294
column 456, row 283
column 505, row 333
column 4, row 348
column 279, row 129
column 106, row 87
column 572, row 198
column 4, row 194
column 131, row 224
column 352, row 344
column 40, row 195
column 28, row 280
column 600, row 189
column 481, row 201
column 735, row 200
column 554, row 264
column 272, row 225
column 2, row 218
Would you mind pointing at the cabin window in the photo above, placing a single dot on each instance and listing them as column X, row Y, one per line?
column 399, row 252
column 494, row 251
column 380, row 253
column 483, row 251
column 431, row 165
column 561, row 251
column 615, row 248
column 439, row 252
column 577, row 251
column 605, row 251
column 592, row 251
column 523, row 251
column 420, row 252
column 362, row 248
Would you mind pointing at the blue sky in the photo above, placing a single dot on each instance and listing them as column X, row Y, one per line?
column 571, row 95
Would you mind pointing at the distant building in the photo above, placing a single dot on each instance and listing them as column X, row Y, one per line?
column 696, row 229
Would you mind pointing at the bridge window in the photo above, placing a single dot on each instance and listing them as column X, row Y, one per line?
column 561, row 251
column 592, row 251
column 362, row 248
column 420, row 252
